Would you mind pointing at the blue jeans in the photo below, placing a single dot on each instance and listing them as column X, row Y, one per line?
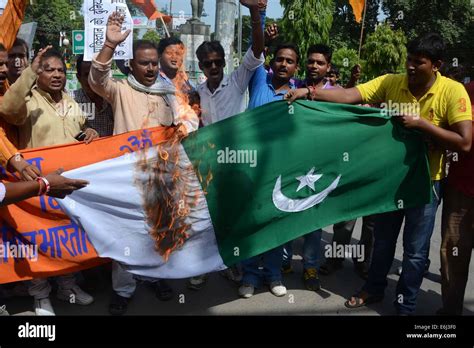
column 419, row 225
column 271, row 271
column 311, row 250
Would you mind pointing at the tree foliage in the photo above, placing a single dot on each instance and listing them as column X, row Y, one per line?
column 345, row 58
column 307, row 22
column 418, row 17
column 152, row 35
column 53, row 17
column 247, row 32
column 384, row 51
column 452, row 19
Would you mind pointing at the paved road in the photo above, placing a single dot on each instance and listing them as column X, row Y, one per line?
column 219, row 296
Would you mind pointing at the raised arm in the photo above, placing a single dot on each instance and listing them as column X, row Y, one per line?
column 99, row 76
column 113, row 37
column 13, row 108
column 258, row 42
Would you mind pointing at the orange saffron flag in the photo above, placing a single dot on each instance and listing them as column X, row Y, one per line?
column 149, row 8
column 10, row 21
column 357, row 8
column 45, row 240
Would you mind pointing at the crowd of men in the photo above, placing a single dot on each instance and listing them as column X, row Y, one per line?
column 36, row 111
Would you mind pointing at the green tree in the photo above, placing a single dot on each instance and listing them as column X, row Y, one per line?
column 384, row 51
column 418, row 17
column 344, row 59
column 307, row 22
column 452, row 19
column 53, row 17
column 247, row 32
column 152, row 35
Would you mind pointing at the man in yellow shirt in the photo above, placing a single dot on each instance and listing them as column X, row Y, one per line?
column 438, row 107
column 37, row 103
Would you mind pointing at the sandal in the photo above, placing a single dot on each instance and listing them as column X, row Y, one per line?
column 360, row 302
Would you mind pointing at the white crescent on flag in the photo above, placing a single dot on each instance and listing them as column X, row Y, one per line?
column 289, row 205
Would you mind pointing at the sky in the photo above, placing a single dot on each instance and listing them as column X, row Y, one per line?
column 274, row 10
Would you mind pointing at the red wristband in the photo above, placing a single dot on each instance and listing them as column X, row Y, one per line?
column 42, row 186
column 46, row 187
column 109, row 46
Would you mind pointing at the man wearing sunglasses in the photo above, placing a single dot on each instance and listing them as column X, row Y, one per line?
column 223, row 96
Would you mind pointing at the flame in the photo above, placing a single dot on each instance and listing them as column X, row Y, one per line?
column 166, row 183
column 189, row 109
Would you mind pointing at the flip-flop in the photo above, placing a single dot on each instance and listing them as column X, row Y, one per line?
column 359, row 303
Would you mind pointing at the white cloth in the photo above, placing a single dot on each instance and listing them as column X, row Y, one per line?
column 116, row 223
column 3, row 192
column 229, row 98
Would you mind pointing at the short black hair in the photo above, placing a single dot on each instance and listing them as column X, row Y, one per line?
column 208, row 47
column 168, row 41
column 21, row 42
column 325, row 50
column 289, row 46
column 53, row 53
column 143, row 45
column 430, row 45
column 334, row 70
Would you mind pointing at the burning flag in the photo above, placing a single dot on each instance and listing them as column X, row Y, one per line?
column 168, row 207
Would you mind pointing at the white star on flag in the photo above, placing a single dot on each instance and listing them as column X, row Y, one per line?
column 308, row 180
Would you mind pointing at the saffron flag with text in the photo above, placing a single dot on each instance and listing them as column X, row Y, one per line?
column 234, row 189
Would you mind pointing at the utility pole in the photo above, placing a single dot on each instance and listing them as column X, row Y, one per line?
column 226, row 11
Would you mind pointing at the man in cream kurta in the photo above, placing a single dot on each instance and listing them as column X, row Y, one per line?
column 42, row 120
column 132, row 109
column 137, row 102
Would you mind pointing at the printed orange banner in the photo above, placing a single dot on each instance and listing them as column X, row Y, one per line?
column 36, row 238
